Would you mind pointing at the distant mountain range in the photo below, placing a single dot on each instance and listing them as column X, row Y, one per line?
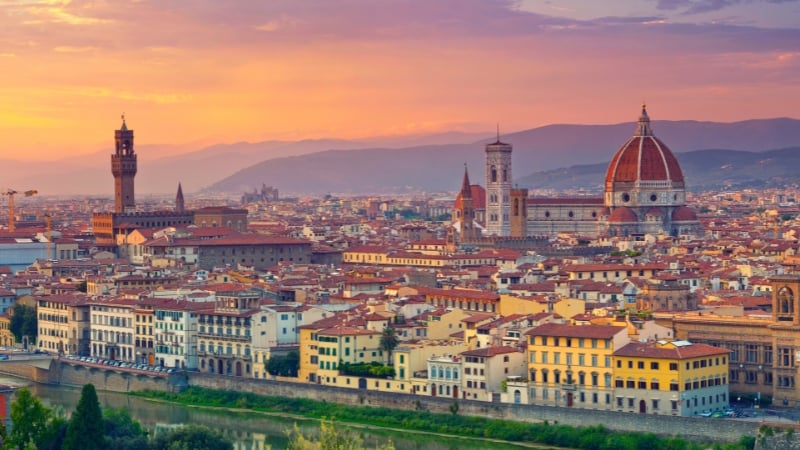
column 539, row 156
column 554, row 156
column 702, row 169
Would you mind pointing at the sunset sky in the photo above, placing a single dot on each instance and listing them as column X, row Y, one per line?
column 208, row 71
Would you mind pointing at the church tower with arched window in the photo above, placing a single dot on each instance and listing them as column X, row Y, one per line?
column 785, row 289
column 498, row 188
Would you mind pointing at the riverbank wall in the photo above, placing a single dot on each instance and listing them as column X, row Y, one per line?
column 104, row 378
column 702, row 429
column 118, row 380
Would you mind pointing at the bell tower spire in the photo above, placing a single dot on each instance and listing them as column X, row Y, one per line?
column 179, row 204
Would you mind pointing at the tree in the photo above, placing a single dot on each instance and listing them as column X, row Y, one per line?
column 191, row 437
column 35, row 425
column 122, row 432
column 389, row 342
column 330, row 438
column 285, row 366
column 86, row 430
column 23, row 322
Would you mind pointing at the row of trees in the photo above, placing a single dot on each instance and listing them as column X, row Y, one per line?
column 35, row 426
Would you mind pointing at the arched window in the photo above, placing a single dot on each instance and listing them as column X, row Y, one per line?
column 494, row 174
column 785, row 301
column 505, row 175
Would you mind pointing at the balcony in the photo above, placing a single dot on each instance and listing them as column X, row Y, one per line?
column 206, row 354
column 224, row 337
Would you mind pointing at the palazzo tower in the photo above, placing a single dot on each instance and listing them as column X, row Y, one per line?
column 123, row 167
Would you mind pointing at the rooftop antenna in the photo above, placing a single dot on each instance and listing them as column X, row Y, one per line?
column 498, row 131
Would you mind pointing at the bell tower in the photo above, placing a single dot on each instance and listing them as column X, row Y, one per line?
column 123, row 167
column 498, row 188
column 785, row 306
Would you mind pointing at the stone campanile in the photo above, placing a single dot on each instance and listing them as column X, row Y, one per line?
column 498, row 188
column 123, row 167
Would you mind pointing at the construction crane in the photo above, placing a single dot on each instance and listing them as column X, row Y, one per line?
column 10, row 194
column 48, row 220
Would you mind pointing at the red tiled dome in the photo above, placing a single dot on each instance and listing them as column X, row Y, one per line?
column 683, row 214
column 643, row 158
column 622, row 214
column 654, row 212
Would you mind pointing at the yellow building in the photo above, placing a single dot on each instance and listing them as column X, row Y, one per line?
column 411, row 361
column 64, row 324
column 676, row 378
column 6, row 336
column 511, row 304
column 345, row 345
column 569, row 307
column 309, row 356
column 571, row 366
column 764, row 350
column 442, row 324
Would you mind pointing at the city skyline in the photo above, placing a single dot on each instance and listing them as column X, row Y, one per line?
column 214, row 73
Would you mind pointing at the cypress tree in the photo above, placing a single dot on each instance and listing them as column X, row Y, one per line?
column 86, row 429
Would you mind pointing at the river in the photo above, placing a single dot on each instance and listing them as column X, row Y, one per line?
column 248, row 431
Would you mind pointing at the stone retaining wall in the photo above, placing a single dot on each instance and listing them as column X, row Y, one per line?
column 703, row 429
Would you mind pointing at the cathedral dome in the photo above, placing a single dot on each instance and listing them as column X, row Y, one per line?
column 644, row 158
column 622, row 214
column 684, row 214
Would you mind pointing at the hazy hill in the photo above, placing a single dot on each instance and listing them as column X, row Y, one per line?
column 439, row 168
column 377, row 165
column 702, row 169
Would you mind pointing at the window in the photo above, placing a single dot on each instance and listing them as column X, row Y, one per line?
column 654, row 366
column 673, row 366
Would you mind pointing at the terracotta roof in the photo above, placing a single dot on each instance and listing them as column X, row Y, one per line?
column 669, row 351
column 684, row 213
column 579, row 331
column 487, row 352
column 622, row 214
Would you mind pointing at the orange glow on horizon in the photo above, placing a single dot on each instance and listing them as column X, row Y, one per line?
column 188, row 79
